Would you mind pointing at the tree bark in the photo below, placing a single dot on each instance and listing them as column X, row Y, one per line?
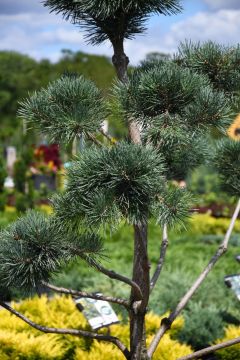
column 120, row 62
column 141, row 277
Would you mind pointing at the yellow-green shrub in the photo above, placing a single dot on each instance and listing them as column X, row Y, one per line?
column 28, row 346
column 206, row 224
column 18, row 341
column 231, row 352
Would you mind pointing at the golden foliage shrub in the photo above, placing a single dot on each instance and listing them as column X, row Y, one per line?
column 231, row 352
column 19, row 341
column 206, row 224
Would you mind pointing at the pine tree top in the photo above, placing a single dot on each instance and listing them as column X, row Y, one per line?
column 112, row 20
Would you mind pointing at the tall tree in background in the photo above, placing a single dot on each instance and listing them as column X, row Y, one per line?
column 169, row 108
column 19, row 75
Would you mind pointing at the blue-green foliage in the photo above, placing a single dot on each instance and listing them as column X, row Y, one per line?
column 109, row 184
column 176, row 108
column 34, row 247
column 112, row 20
column 68, row 107
column 227, row 162
column 218, row 62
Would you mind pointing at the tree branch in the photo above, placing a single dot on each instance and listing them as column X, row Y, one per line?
column 113, row 275
column 107, row 136
column 88, row 334
column 163, row 250
column 210, row 349
column 84, row 294
column 167, row 322
column 93, row 139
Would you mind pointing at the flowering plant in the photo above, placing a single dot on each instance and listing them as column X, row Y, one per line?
column 46, row 159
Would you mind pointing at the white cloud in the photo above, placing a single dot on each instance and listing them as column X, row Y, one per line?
column 43, row 35
column 221, row 26
column 32, row 33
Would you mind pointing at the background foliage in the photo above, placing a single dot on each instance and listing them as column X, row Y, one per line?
column 20, row 341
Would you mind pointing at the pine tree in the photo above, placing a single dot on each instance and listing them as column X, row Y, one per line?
column 170, row 107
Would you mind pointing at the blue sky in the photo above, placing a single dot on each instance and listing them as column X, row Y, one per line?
column 27, row 27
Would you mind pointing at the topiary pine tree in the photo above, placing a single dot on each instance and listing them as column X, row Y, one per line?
column 170, row 107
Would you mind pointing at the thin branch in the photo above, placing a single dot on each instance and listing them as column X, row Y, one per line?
column 107, row 136
column 159, row 267
column 167, row 322
column 211, row 349
column 113, row 275
column 92, row 138
column 88, row 334
column 84, row 294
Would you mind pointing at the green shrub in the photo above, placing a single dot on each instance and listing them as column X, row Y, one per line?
column 18, row 341
column 3, row 201
column 19, row 175
column 216, row 305
column 21, row 202
column 205, row 185
column 30, row 193
column 216, row 239
column 6, row 218
column 203, row 325
column 169, row 290
column 3, row 174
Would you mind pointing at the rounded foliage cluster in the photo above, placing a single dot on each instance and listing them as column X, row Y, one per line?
column 67, row 108
column 227, row 161
column 176, row 109
column 182, row 149
column 183, row 97
column 111, row 183
column 220, row 63
column 34, row 247
column 29, row 251
column 173, row 206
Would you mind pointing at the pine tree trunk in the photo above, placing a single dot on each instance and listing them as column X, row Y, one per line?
column 141, row 277
column 141, row 266
column 120, row 62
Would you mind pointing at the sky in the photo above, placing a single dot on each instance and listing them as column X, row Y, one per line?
column 27, row 27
